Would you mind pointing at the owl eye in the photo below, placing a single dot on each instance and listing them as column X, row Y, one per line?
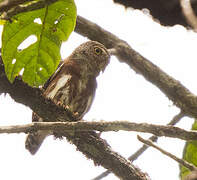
column 97, row 50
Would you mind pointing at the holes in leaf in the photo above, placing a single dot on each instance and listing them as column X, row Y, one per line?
column 59, row 19
column 27, row 42
column 13, row 61
column 40, row 69
column 21, row 71
column 38, row 21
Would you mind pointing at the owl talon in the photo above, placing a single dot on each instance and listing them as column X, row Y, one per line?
column 67, row 107
column 76, row 113
column 99, row 134
column 59, row 103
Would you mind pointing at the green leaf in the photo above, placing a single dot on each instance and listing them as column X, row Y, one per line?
column 189, row 154
column 40, row 59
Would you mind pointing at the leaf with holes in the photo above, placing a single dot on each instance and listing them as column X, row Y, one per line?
column 44, row 29
column 189, row 154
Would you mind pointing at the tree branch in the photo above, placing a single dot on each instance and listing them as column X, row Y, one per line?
column 141, row 150
column 8, row 4
column 25, row 8
column 83, row 126
column 191, row 167
column 172, row 88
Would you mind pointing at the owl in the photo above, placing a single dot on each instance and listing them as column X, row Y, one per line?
column 73, row 85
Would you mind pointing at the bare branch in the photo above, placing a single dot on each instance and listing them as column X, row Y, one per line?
column 153, row 138
column 8, row 4
column 189, row 13
column 25, row 8
column 191, row 167
column 158, row 130
column 141, row 150
column 172, row 88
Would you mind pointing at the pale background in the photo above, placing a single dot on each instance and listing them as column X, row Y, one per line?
column 121, row 95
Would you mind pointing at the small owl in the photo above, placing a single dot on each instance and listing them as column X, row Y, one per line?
column 73, row 85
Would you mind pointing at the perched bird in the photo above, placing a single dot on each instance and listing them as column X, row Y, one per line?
column 73, row 85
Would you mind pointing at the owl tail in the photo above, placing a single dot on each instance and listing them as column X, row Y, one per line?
column 34, row 141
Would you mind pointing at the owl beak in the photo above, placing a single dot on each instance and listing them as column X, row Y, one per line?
column 103, row 70
column 112, row 51
column 104, row 66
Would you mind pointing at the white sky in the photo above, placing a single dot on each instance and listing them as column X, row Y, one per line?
column 121, row 95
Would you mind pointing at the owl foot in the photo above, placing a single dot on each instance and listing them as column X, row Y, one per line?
column 76, row 114
column 59, row 103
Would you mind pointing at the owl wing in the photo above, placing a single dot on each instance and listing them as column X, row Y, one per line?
column 53, row 76
column 69, row 89
column 58, row 81
column 49, row 85
column 60, row 84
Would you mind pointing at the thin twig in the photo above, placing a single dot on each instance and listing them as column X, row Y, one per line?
column 176, row 118
column 141, row 150
column 191, row 167
column 153, row 138
column 189, row 13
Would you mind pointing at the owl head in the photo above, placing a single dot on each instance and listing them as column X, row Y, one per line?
column 92, row 57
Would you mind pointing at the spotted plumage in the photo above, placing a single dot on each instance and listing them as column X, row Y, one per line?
column 73, row 85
